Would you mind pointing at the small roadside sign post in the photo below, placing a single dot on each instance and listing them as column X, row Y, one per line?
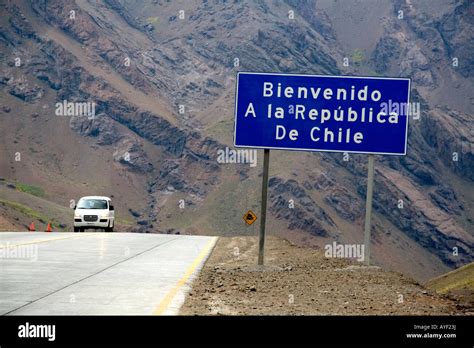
column 352, row 114
column 249, row 217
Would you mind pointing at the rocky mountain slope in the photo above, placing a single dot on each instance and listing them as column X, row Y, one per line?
column 162, row 77
column 457, row 285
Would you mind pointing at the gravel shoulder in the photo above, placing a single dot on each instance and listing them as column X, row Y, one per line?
column 302, row 281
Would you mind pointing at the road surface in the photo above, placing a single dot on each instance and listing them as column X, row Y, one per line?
column 97, row 273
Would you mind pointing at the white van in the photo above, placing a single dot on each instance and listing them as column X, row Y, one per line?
column 94, row 212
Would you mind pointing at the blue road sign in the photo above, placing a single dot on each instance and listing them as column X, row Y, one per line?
column 322, row 113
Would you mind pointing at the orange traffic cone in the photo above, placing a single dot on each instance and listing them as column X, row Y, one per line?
column 31, row 228
column 48, row 228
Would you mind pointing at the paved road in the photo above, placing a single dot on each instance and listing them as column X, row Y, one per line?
column 97, row 273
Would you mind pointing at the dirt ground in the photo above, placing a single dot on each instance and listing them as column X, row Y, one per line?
column 302, row 281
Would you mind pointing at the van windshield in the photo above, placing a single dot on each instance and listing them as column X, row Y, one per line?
column 92, row 204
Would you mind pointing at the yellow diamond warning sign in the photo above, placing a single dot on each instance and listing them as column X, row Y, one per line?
column 249, row 217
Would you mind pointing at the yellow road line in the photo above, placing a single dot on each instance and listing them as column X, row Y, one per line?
column 45, row 240
column 163, row 305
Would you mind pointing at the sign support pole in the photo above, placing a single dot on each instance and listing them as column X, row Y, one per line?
column 263, row 212
column 368, row 208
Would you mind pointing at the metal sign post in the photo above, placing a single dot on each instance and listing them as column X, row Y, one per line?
column 368, row 208
column 263, row 212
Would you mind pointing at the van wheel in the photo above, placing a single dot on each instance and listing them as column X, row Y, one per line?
column 77, row 229
column 109, row 229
